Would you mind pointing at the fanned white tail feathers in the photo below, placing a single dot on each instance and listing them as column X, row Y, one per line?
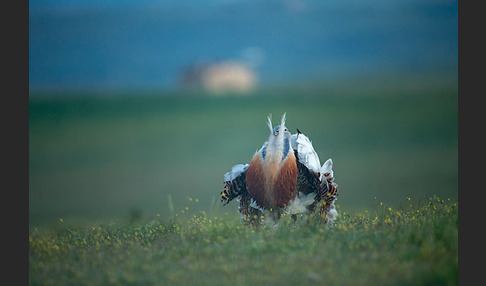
column 307, row 155
column 235, row 171
column 327, row 173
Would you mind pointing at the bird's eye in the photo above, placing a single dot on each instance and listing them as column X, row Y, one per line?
column 285, row 129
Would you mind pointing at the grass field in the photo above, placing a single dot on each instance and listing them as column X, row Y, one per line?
column 124, row 189
column 414, row 245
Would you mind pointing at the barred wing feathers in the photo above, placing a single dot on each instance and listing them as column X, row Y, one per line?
column 234, row 183
column 307, row 180
column 327, row 194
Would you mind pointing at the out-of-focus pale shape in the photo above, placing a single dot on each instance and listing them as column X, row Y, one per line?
column 221, row 77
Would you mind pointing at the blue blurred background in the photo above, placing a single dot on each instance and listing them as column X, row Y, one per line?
column 115, row 45
column 124, row 121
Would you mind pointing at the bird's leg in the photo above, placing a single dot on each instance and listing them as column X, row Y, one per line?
column 294, row 218
column 255, row 217
column 309, row 219
column 324, row 208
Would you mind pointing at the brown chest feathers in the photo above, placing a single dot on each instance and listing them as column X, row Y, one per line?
column 272, row 184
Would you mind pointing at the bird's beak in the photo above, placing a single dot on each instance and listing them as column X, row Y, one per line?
column 275, row 133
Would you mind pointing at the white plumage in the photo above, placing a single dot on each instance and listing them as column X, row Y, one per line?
column 307, row 155
column 235, row 171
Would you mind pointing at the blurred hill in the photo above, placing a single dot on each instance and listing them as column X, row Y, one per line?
column 144, row 45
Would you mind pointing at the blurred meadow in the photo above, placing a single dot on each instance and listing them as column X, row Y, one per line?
column 107, row 157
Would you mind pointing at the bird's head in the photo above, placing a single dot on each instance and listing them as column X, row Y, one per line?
column 279, row 132
column 279, row 129
column 278, row 145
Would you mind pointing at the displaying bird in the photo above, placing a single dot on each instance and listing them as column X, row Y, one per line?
column 284, row 177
